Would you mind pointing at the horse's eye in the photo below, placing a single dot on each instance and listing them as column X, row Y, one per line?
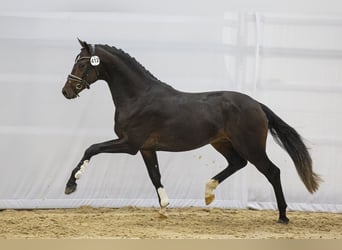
column 81, row 65
column 79, row 86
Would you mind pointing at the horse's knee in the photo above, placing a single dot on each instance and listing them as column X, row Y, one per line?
column 91, row 151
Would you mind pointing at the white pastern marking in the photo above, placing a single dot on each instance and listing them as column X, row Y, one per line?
column 82, row 169
column 210, row 186
column 164, row 200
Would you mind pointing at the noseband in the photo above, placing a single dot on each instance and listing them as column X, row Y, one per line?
column 84, row 83
column 81, row 83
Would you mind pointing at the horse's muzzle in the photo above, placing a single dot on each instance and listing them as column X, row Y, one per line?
column 68, row 94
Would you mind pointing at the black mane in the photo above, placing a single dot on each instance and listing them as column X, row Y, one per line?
column 130, row 60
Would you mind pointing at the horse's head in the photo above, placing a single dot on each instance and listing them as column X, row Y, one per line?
column 84, row 71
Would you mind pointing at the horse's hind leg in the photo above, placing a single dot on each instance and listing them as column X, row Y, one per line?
column 272, row 173
column 151, row 162
column 235, row 162
column 253, row 149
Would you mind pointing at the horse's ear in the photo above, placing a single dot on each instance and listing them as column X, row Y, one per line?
column 84, row 44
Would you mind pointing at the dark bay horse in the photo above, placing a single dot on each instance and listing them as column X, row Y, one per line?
column 152, row 116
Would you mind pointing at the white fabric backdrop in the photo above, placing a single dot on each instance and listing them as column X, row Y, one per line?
column 289, row 61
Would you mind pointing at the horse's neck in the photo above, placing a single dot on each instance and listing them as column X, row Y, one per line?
column 126, row 85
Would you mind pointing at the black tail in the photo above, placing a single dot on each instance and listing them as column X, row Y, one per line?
column 288, row 138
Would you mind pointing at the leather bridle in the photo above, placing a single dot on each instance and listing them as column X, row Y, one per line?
column 82, row 83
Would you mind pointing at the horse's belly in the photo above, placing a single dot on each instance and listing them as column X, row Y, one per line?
column 181, row 139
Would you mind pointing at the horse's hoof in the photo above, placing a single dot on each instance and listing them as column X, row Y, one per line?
column 284, row 221
column 209, row 199
column 162, row 213
column 164, row 204
column 70, row 188
column 164, row 200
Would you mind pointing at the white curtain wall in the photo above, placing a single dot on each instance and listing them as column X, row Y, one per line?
column 290, row 62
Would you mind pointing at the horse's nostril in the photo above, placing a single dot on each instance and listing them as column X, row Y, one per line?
column 64, row 92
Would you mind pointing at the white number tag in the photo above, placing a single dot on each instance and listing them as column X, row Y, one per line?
column 95, row 60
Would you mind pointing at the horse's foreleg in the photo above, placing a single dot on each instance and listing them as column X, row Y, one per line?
column 151, row 162
column 113, row 146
